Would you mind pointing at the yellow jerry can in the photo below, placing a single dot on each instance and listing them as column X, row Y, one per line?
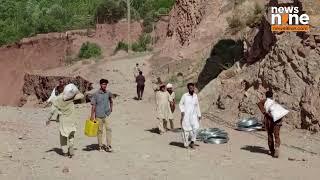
column 91, row 128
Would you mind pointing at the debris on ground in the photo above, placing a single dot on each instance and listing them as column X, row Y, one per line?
column 294, row 159
column 65, row 170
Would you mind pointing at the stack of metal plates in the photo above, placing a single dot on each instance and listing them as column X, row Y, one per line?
column 249, row 124
column 213, row 136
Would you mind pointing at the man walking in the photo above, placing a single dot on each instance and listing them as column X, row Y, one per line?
column 163, row 108
column 172, row 101
column 190, row 116
column 273, row 128
column 63, row 110
column 136, row 70
column 101, row 108
column 140, row 80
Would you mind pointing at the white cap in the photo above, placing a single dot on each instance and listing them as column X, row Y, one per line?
column 169, row 85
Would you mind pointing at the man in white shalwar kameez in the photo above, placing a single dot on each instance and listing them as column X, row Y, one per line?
column 190, row 116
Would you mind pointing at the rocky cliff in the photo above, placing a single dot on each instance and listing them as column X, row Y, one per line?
column 287, row 63
column 193, row 25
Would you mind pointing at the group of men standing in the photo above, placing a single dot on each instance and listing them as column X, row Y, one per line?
column 165, row 105
column 102, row 107
column 190, row 112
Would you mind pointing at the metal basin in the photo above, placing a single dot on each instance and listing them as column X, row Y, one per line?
column 249, row 129
column 216, row 140
column 247, row 122
column 211, row 133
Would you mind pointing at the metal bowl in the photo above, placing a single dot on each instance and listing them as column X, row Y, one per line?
column 216, row 140
column 208, row 133
column 254, row 128
column 247, row 122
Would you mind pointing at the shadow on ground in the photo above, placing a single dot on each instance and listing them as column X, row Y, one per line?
column 256, row 149
column 177, row 144
column 91, row 147
column 153, row 130
column 56, row 150
column 177, row 130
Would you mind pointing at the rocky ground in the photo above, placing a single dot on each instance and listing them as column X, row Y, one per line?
column 29, row 150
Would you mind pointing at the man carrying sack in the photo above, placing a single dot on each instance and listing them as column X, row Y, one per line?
column 63, row 110
column 273, row 114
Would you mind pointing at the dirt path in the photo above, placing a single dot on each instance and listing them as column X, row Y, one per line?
column 30, row 151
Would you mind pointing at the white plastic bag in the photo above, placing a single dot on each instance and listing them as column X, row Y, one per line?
column 276, row 110
column 70, row 91
column 52, row 96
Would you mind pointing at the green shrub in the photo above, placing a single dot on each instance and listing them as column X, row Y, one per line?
column 150, row 10
column 142, row 44
column 89, row 50
column 162, row 11
column 121, row 46
column 148, row 24
column 139, row 46
column 111, row 11
column 148, row 28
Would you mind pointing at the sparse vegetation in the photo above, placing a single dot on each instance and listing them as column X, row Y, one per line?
column 24, row 18
column 254, row 18
column 139, row 46
column 246, row 13
column 142, row 44
column 121, row 46
column 235, row 24
column 89, row 50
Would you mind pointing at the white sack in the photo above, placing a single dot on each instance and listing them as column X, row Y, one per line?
column 70, row 91
column 276, row 110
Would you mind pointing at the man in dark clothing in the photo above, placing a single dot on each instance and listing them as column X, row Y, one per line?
column 273, row 128
column 140, row 80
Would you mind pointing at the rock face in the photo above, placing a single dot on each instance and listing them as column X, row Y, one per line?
column 42, row 86
column 287, row 63
column 36, row 53
column 186, row 16
column 261, row 43
column 192, row 27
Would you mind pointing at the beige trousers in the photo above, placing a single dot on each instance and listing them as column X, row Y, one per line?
column 103, row 123
column 67, row 143
column 163, row 124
